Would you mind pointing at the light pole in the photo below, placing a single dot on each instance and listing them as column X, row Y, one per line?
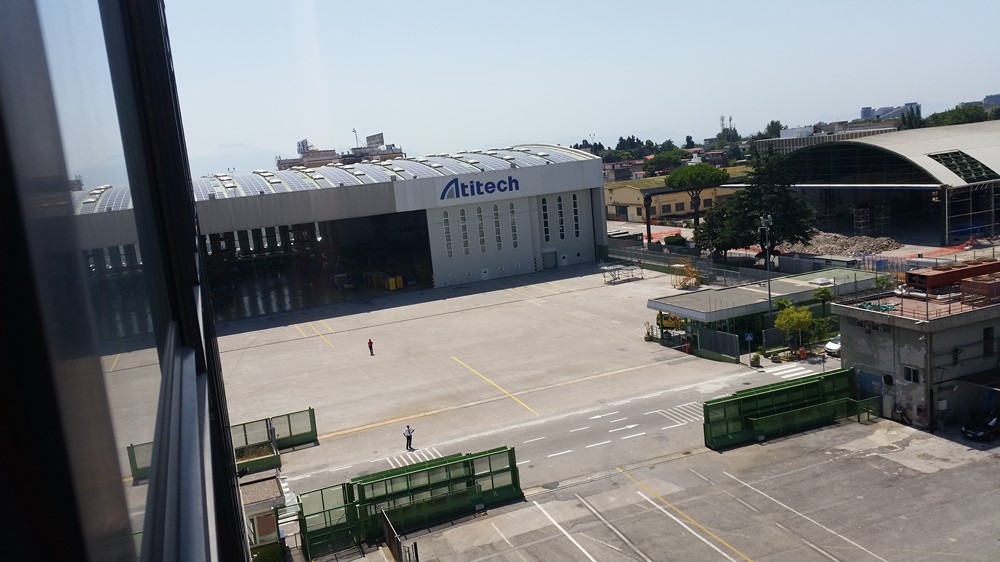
column 647, row 203
column 765, row 224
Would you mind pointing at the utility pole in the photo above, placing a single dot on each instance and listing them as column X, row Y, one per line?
column 765, row 224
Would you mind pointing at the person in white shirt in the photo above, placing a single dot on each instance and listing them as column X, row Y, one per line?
column 408, row 433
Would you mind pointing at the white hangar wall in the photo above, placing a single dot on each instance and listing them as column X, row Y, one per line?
column 508, row 222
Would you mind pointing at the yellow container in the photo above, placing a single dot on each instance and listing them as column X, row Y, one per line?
column 399, row 281
column 391, row 283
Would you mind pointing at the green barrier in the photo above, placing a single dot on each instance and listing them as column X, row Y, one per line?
column 297, row 428
column 413, row 496
column 749, row 415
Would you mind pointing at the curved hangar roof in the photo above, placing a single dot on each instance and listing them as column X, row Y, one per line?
column 262, row 182
column 929, row 158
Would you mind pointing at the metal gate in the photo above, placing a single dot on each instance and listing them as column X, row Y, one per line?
column 722, row 343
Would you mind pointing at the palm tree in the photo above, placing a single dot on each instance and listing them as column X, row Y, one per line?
column 823, row 295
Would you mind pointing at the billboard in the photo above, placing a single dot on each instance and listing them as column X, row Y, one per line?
column 374, row 141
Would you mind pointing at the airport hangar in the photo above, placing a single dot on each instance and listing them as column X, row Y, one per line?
column 944, row 179
column 439, row 220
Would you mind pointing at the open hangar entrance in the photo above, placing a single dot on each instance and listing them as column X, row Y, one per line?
column 931, row 185
column 290, row 267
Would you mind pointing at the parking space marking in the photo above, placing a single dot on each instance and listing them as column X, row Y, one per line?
column 515, row 398
column 613, row 529
column 806, row 517
column 689, row 529
column 558, row 526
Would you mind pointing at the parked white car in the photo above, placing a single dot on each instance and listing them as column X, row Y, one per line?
column 833, row 346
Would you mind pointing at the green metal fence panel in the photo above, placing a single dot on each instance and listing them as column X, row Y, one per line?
column 414, row 496
column 251, row 433
column 296, row 428
column 731, row 420
column 140, row 457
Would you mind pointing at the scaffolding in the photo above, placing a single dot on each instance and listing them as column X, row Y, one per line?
column 881, row 216
column 862, row 221
column 826, row 216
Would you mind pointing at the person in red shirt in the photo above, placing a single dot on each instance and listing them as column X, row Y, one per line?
column 371, row 347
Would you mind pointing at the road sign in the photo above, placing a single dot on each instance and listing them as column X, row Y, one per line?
column 748, row 336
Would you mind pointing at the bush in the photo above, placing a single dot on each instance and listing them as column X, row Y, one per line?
column 674, row 240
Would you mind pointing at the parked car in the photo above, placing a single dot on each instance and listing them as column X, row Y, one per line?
column 983, row 428
column 833, row 346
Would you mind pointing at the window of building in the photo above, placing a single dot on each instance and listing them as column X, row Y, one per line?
column 513, row 227
column 559, row 212
column 576, row 217
column 988, row 343
column 911, row 374
column 665, row 208
column 706, row 203
column 482, row 230
column 545, row 218
column 447, row 233
column 465, row 231
column 638, row 211
column 679, row 207
column 496, row 226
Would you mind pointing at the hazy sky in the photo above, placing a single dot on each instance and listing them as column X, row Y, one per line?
column 438, row 76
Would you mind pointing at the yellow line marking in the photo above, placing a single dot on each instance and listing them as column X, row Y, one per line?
column 684, row 515
column 320, row 335
column 327, row 326
column 494, row 384
column 114, row 363
column 300, row 330
column 521, row 291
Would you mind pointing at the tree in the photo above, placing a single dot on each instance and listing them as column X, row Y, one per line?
column 662, row 162
column 724, row 228
column 694, row 179
column 910, row 119
column 773, row 129
column 793, row 321
column 688, row 142
column 823, row 295
column 961, row 114
column 768, row 192
column 668, row 146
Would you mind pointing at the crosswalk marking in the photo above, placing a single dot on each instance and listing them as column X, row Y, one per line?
column 681, row 415
column 789, row 371
column 413, row 457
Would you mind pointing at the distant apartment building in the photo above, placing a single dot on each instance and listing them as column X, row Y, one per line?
column 796, row 132
column 991, row 101
column 889, row 112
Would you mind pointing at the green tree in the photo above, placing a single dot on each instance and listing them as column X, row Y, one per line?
column 688, row 142
column 823, row 295
column 724, row 228
column 768, row 192
column 793, row 321
column 663, row 161
column 959, row 115
column 773, row 129
column 695, row 179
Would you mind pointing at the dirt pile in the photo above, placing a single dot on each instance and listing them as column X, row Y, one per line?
column 828, row 243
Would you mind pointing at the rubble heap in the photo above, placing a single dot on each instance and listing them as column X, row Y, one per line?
column 828, row 243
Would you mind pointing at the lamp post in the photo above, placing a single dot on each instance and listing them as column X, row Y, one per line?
column 765, row 224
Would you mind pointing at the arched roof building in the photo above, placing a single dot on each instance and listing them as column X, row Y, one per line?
column 948, row 177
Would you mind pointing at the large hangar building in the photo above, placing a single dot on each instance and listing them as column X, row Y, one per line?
column 439, row 220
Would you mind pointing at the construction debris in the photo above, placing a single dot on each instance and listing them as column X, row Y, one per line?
column 829, row 243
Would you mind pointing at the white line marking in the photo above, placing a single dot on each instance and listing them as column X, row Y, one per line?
column 522, row 462
column 618, row 420
column 689, row 529
column 597, row 444
column 806, row 517
column 700, row 475
column 672, row 426
column 629, row 426
column 613, row 529
column 558, row 526
column 616, row 322
column 602, row 415
column 501, row 534
column 634, row 435
column 621, row 402
column 579, row 429
column 436, row 452
column 819, row 550
column 562, row 453
column 653, row 395
column 745, row 504
column 611, row 546
column 390, row 462
column 533, row 440
column 782, row 527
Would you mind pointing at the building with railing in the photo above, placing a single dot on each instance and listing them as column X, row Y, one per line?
column 930, row 352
